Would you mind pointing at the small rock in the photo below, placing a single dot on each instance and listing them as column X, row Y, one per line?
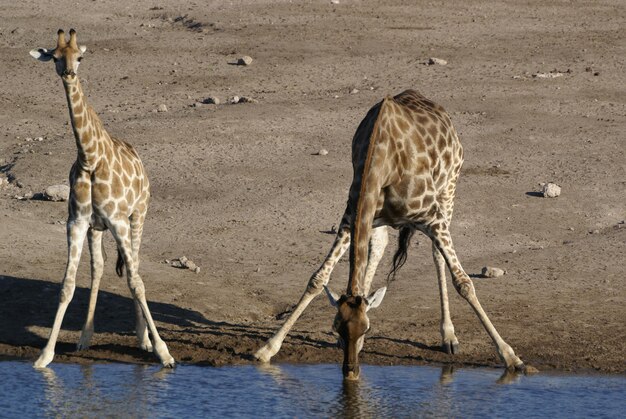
column 530, row 370
column 57, row 193
column 322, row 152
column 183, row 263
column 39, row 139
column 354, row 91
column 551, row 190
column 234, row 100
column 211, row 100
column 162, row 108
column 596, row 231
column 436, row 61
column 491, row 272
column 334, row 1
column 247, row 99
column 245, row 60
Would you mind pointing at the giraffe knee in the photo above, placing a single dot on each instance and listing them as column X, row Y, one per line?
column 136, row 287
column 465, row 289
column 316, row 283
column 66, row 294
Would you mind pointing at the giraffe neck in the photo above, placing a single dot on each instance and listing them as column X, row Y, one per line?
column 366, row 194
column 87, row 127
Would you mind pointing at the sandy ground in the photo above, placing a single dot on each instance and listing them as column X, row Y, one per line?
column 238, row 189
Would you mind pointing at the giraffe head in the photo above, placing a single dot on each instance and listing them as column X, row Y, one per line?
column 66, row 56
column 351, row 324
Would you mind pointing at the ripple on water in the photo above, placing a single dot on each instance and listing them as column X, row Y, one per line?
column 119, row 390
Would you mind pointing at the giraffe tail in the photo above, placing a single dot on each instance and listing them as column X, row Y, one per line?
column 399, row 258
column 119, row 265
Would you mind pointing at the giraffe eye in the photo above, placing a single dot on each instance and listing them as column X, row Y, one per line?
column 80, row 59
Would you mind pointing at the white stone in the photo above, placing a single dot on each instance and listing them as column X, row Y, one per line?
column 491, row 272
column 211, row 100
column 437, row 61
column 245, row 60
column 551, row 190
column 234, row 99
column 57, row 193
column 162, row 108
column 322, row 152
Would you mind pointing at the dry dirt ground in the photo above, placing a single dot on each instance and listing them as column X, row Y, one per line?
column 238, row 189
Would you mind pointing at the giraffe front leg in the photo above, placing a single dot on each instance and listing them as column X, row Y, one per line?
column 443, row 241
column 316, row 284
column 378, row 243
column 449, row 342
column 76, row 230
column 94, row 238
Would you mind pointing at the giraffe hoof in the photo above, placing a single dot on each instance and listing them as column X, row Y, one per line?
column 263, row 355
column 44, row 359
column 146, row 347
column 170, row 363
column 82, row 346
column 451, row 348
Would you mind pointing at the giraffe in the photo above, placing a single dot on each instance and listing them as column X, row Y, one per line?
column 406, row 159
column 109, row 189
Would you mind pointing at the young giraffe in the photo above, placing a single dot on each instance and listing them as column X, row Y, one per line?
column 109, row 189
column 406, row 158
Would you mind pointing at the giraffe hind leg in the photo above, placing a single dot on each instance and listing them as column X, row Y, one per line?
column 440, row 235
column 449, row 342
column 121, row 232
column 141, row 327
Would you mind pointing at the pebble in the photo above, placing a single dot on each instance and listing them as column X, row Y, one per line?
column 354, row 91
column 322, row 152
column 334, row 1
column 234, row 100
column 245, row 60
column 491, row 272
column 247, row 99
column 529, row 370
column 437, row 61
column 551, row 190
column 57, row 193
column 211, row 100
column 183, row 263
column 162, row 108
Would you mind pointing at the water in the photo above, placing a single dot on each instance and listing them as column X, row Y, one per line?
column 119, row 390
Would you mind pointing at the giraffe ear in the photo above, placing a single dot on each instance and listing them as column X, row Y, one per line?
column 82, row 49
column 332, row 297
column 375, row 298
column 41, row 54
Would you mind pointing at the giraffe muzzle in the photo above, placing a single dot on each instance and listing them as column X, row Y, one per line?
column 69, row 73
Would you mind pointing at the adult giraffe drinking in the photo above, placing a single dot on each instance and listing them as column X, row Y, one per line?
column 406, row 158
